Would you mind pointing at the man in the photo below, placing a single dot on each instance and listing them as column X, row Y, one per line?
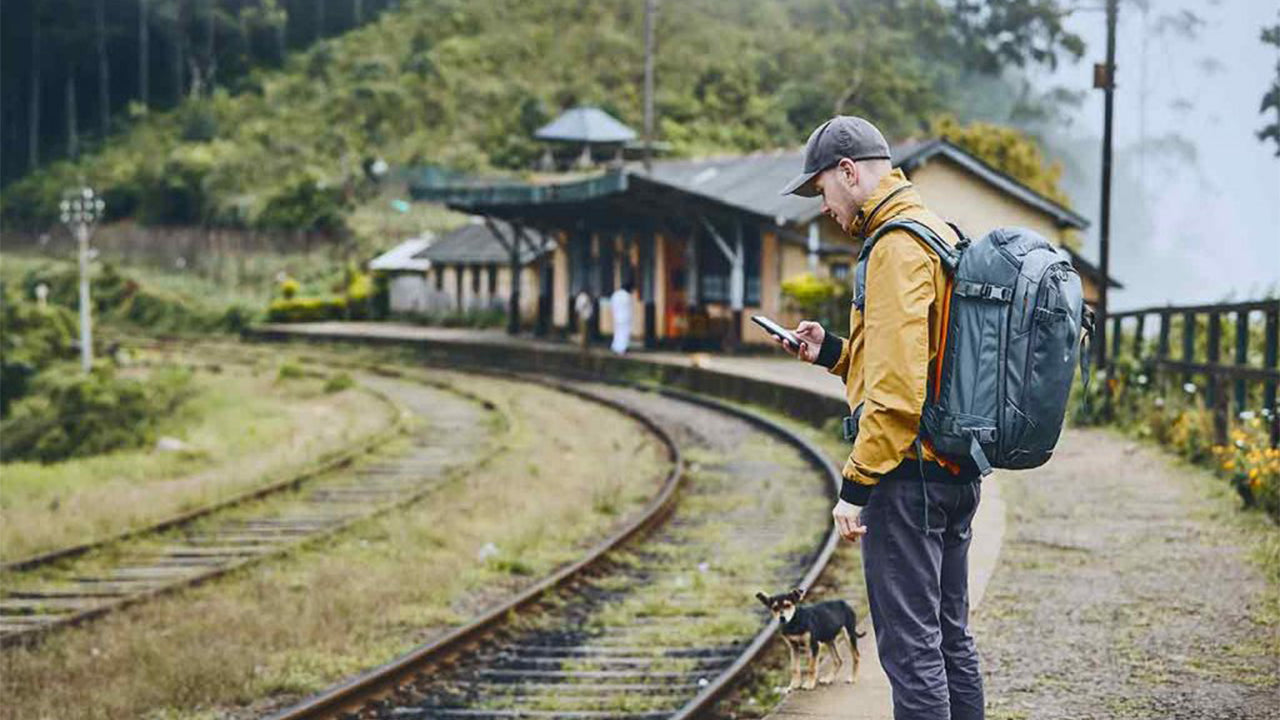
column 917, row 507
column 620, row 308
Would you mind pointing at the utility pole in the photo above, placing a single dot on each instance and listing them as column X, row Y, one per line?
column 1104, row 77
column 650, row 9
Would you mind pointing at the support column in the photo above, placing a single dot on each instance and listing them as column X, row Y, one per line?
column 737, row 283
column 647, row 272
column 513, row 302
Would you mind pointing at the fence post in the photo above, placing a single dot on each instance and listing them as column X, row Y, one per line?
column 1188, row 342
column 1269, row 362
column 1137, row 337
column 1242, row 356
column 1162, row 347
column 1214, row 394
column 1115, row 338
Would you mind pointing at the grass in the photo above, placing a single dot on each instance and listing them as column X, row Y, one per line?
column 296, row 624
column 760, row 689
column 242, row 428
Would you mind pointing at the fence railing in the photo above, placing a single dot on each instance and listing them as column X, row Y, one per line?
column 1227, row 382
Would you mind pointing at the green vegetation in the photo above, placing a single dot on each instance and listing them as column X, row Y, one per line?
column 1175, row 416
column 464, row 84
column 1008, row 150
column 824, row 299
column 239, row 429
column 32, row 337
column 69, row 414
column 345, row 604
column 358, row 302
column 122, row 300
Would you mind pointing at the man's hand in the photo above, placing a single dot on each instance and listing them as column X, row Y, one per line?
column 848, row 521
column 811, row 336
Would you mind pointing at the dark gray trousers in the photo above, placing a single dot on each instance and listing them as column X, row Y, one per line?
column 918, row 587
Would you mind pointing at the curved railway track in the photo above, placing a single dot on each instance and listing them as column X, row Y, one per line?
column 656, row 621
column 74, row 585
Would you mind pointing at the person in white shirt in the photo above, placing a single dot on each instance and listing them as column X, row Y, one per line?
column 620, row 305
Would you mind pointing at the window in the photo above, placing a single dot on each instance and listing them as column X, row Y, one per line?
column 714, row 267
column 475, row 280
column 493, row 280
column 439, row 277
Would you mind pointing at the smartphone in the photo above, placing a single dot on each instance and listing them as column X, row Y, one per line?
column 776, row 330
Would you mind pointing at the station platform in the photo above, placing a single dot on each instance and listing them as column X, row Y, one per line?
column 867, row 699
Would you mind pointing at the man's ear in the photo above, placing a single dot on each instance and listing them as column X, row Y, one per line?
column 763, row 598
column 849, row 173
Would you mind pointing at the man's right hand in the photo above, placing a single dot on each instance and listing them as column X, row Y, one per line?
column 811, row 336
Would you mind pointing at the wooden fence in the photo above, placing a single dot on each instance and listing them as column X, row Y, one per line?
column 1227, row 382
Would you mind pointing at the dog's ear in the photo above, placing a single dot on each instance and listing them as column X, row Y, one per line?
column 797, row 595
column 763, row 598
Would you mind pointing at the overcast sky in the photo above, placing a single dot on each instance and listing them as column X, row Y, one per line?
column 1198, row 227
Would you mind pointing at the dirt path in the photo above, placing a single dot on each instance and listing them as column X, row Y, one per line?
column 1125, row 590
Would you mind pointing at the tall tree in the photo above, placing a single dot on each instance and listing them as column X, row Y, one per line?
column 104, row 86
column 179, row 40
column 33, row 110
column 73, row 134
column 144, row 54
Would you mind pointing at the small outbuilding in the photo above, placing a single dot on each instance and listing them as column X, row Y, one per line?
column 407, row 275
column 471, row 268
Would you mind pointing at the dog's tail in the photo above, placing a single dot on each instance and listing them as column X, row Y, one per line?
column 851, row 623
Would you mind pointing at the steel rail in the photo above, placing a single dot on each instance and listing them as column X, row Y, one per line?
column 375, row 684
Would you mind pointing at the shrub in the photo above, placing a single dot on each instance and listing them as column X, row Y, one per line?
column 117, row 297
column 290, row 371
column 818, row 298
column 70, row 414
column 339, row 382
column 31, row 337
column 307, row 309
column 1174, row 416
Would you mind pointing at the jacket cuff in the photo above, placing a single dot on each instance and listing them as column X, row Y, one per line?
column 855, row 492
column 829, row 353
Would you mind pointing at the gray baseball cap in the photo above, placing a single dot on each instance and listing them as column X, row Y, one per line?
column 843, row 136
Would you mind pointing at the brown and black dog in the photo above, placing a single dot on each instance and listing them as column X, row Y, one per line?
column 809, row 629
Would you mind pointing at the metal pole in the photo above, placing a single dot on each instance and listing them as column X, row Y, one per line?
column 1104, row 256
column 86, row 331
column 650, row 8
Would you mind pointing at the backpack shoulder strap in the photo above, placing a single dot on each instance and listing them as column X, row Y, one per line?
column 949, row 256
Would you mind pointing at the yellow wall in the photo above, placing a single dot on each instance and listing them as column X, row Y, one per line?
column 977, row 207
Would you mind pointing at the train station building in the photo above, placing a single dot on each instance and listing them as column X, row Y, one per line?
column 708, row 242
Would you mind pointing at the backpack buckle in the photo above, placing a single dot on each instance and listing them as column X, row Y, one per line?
column 849, row 428
column 996, row 292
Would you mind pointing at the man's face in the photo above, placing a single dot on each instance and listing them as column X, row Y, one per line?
column 838, row 185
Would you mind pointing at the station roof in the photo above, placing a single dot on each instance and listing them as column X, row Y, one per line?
column 475, row 244
column 744, row 183
column 586, row 124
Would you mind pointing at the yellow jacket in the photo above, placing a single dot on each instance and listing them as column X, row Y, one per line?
column 892, row 345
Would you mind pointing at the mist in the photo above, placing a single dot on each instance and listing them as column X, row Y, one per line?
column 1196, row 196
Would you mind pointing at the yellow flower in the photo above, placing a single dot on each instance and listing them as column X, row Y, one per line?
column 1229, row 465
column 1253, row 474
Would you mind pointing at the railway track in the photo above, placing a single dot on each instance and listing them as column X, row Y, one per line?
column 81, row 583
column 655, row 622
